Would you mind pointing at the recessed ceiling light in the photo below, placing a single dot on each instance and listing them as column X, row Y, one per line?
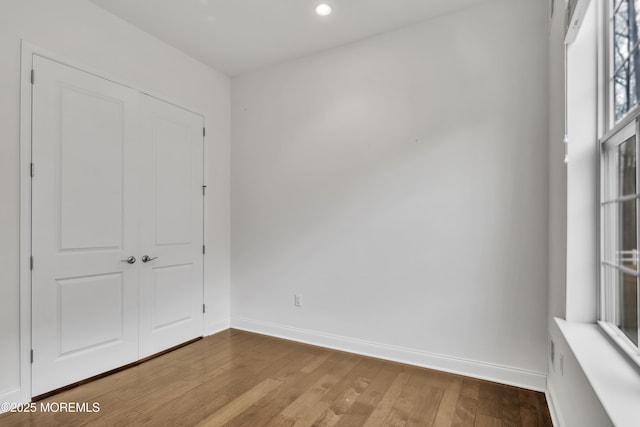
column 323, row 9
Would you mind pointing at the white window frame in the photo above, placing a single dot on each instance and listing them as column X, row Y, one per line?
column 628, row 126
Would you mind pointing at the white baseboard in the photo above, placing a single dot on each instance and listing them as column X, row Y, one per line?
column 556, row 417
column 215, row 327
column 502, row 374
column 12, row 396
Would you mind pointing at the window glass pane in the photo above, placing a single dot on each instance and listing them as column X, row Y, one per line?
column 628, row 306
column 609, row 232
column 626, row 22
column 633, row 22
column 621, row 37
column 609, row 294
column 621, row 91
column 610, row 175
column 626, row 56
column 627, row 237
column 625, row 95
column 633, row 73
column 627, row 167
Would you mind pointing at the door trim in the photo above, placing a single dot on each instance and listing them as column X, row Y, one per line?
column 28, row 50
column 25, row 222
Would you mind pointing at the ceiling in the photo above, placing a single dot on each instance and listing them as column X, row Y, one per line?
column 236, row 36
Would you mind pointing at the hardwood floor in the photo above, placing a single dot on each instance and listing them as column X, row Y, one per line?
column 237, row 378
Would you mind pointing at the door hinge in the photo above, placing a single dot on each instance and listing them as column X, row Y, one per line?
column 33, row 76
column 204, row 250
column 204, row 309
column 31, row 355
column 32, row 168
column 31, row 262
column 204, row 132
column 204, row 189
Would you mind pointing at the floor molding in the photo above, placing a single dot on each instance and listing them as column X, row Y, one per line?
column 486, row 371
column 215, row 327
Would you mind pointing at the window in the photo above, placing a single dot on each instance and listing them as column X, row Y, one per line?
column 626, row 57
column 619, row 251
column 619, row 195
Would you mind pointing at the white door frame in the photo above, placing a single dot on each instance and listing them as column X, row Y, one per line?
column 28, row 50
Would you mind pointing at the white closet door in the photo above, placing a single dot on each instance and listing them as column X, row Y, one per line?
column 171, row 283
column 85, row 299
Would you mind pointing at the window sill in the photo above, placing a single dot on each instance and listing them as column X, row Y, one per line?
column 622, row 342
column 615, row 380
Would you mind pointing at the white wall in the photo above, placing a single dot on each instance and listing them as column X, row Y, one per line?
column 399, row 184
column 82, row 32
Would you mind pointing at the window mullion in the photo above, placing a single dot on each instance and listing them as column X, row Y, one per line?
column 632, row 52
column 620, row 200
column 615, row 72
column 621, row 268
column 617, row 8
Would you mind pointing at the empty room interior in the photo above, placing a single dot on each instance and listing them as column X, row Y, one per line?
column 319, row 212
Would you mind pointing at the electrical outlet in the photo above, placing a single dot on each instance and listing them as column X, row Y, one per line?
column 297, row 300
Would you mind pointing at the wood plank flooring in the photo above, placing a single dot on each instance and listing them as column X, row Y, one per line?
column 237, row 378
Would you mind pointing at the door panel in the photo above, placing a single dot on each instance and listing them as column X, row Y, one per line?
column 91, row 145
column 84, row 300
column 91, row 312
column 171, row 293
column 170, row 304
column 173, row 183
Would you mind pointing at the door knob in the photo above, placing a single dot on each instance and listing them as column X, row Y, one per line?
column 130, row 260
column 146, row 258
